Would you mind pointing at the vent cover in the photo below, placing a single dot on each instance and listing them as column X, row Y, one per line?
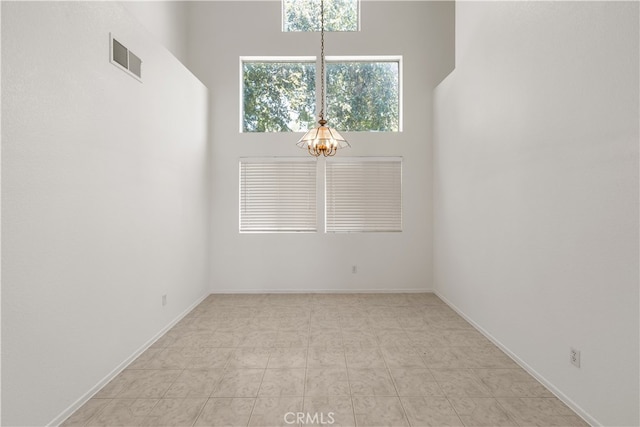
column 135, row 64
column 124, row 59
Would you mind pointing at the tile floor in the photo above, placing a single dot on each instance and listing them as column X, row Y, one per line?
column 354, row 359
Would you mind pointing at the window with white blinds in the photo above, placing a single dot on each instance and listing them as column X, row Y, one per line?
column 278, row 195
column 363, row 194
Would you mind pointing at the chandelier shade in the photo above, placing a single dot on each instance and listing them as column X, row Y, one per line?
column 322, row 140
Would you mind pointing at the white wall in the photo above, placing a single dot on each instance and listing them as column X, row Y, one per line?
column 221, row 32
column 104, row 201
column 166, row 21
column 536, row 191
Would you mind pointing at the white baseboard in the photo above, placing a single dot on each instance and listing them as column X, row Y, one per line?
column 88, row 395
column 321, row 291
column 552, row 388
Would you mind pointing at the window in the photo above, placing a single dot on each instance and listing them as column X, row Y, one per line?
column 363, row 194
column 278, row 195
column 278, row 95
column 304, row 15
column 363, row 95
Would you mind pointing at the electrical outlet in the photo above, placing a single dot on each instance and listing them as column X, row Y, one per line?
column 164, row 300
column 354, row 269
column 574, row 356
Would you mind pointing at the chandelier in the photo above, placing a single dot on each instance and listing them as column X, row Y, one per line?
column 322, row 139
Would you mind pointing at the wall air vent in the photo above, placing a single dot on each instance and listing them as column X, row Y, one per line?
column 124, row 59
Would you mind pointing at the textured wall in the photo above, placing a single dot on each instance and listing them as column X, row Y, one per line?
column 166, row 21
column 536, row 191
column 104, row 201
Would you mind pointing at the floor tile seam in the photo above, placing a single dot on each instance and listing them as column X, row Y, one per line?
column 264, row 372
column 219, row 380
column 484, row 383
column 353, row 405
column 257, row 391
column 224, row 372
column 539, row 398
column 98, row 412
column 492, row 396
column 507, row 411
column 306, row 359
column 455, row 410
column 195, row 420
column 404, row 411
column 344, row 355
column 128, row 386
column 150, row 410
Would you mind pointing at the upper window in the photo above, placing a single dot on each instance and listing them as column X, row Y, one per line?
column 364, row 95
column 304, row 15
column 278, row 96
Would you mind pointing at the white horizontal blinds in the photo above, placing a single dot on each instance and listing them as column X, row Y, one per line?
column 277, row 195
column 363, row 195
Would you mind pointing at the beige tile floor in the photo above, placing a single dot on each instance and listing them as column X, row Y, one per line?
column 354, row 359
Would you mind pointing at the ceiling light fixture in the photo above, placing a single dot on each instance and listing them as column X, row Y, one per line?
column 322, row 139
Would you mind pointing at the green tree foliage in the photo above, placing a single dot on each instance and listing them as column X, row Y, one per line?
column 363, row 96
column 304, row 15
column 278, row 96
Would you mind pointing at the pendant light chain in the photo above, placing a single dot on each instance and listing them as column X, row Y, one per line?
column 322, row 140
column 322, row 59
